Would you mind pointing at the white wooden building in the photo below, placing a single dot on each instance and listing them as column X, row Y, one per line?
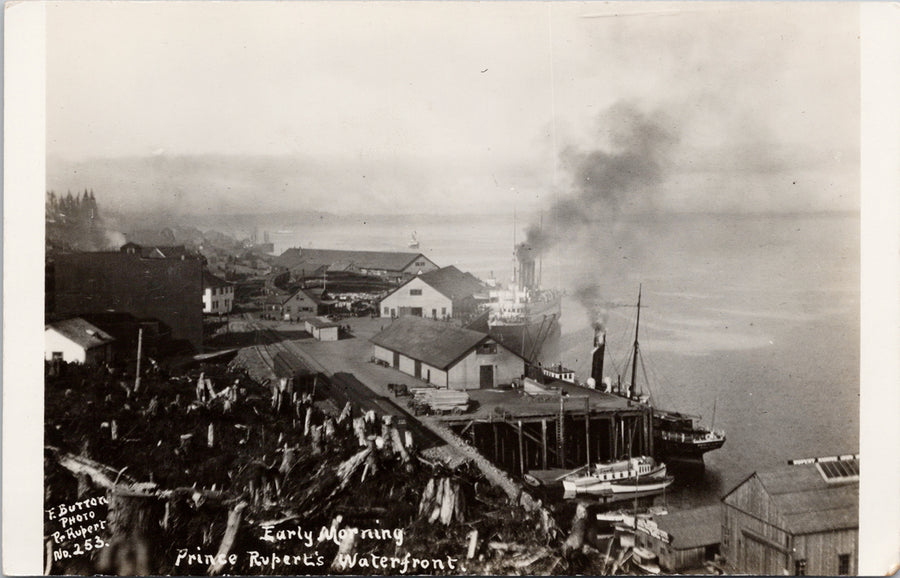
column 439, row 294
column 77, row 341
column 218, row 295
column 446, row 356
column 322, row 329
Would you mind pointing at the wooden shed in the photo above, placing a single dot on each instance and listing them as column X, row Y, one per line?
column 322, row 329
column 693, row 536
column 799, row 519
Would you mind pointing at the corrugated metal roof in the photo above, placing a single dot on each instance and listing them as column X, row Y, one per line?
column 313, row 259
column 81, row 332
column 692, row 528
column 808, row 503
column 453, row 283
column 436, row 343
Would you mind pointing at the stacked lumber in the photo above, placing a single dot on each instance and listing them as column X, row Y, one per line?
column 441, row 401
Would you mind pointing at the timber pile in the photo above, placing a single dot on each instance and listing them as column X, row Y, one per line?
column 221, row 468
column 440, row 401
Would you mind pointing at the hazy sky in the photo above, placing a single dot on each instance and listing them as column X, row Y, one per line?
column 464, row 107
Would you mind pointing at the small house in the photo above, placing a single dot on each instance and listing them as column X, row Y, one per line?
column 77, row 341
column 303, row 303
column 446, row 356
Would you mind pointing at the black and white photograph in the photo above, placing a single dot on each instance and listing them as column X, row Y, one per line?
column 451, row 288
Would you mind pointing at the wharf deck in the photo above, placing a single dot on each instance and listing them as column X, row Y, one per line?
column 499, row 404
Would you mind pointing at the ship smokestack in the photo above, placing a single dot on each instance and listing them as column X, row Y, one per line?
column 525, row 259
column 597, row 354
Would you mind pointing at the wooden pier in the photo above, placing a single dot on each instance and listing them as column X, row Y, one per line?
column 521, row 433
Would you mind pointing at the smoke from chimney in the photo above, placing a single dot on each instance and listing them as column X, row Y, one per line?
column 622, row 173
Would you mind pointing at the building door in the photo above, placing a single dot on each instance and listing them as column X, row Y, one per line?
column 428, row 375
column 417, row 311
column 487, row 377
column 417, row 371
column 396, row 360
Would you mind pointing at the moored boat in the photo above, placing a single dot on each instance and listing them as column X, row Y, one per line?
column 634, row 477
column 676, row 436
column 679, row 437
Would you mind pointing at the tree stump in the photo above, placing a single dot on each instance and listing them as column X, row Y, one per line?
column 133, row 519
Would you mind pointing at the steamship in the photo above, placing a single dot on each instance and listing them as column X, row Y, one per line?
column 523, row 316
column 677, row 437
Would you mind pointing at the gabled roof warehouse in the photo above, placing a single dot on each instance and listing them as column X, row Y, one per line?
column 312, row 259
column 436, row 343
column 808, row 503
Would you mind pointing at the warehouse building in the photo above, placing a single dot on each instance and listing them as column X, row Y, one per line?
column 439, row 294
column 446, row 356
column 800, row 519
column 393, row 266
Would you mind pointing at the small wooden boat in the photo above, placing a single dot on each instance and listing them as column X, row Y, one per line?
column 634, row 476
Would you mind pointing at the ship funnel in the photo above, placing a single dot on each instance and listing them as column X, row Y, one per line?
column 597, row 354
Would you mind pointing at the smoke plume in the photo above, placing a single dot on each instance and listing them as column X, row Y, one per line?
column 622, row 172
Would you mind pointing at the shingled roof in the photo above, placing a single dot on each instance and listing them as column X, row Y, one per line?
column 81, row 332
column 436, row 343
column 312, row 259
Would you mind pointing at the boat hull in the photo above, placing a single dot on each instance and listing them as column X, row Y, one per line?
column 690, row 452
column 612, row 491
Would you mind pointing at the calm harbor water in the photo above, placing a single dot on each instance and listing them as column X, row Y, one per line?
column 750, row 321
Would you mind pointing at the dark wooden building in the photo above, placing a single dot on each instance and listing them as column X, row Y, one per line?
column 795, row 520
column 167, row 289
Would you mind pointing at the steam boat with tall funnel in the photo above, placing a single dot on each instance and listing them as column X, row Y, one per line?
column 523, row 316
column 677, row 437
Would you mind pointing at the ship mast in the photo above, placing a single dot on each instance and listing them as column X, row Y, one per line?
column 634, row 360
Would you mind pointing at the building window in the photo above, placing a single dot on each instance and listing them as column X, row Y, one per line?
column 415, row 291
column 843, row 564
column 420, row 263
column 443, row 311
column 57, row 356
column 800, row 567
column 487, row 349
column 387, row 311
